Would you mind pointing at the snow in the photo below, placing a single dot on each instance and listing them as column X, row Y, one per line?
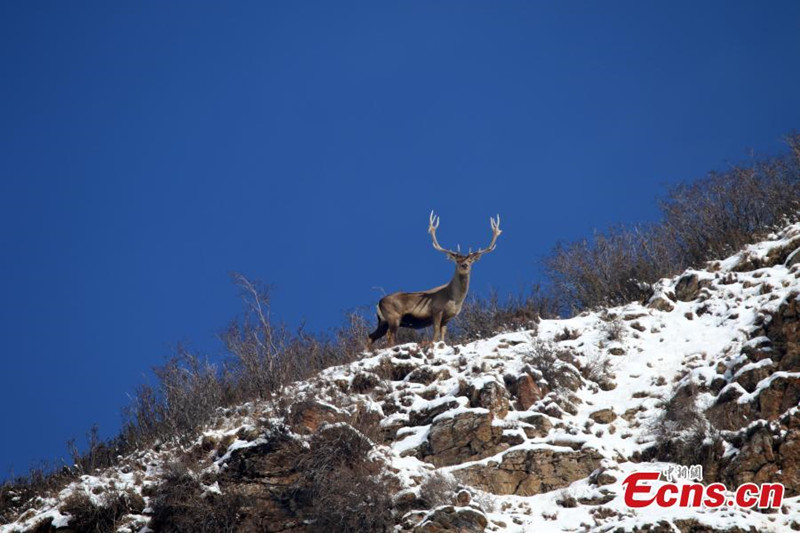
column 667, row 349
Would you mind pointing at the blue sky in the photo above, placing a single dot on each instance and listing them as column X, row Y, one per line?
column 147, row 149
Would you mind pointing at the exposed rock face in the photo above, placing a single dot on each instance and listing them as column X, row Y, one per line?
column 309, row 415
column 467, row 436
column 492, row 396
column 454, row 520
column 537, row 425
column 508, row 415
column 776, row 256
column 661, row 303
column 783, row 331
column 687, row 287
column 774, row 348
column 425, row 416
column 264, row 475
column 527, row 472
column 526, row 391
column 767, row 455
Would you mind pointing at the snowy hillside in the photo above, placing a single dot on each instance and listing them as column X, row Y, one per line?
column 530, row 430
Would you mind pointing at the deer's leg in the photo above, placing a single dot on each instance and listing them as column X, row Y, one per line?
column 392, row 335
column 444, row 331
column 437, row 326
column 379, row 332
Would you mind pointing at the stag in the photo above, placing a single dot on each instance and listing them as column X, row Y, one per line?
column 436, row 306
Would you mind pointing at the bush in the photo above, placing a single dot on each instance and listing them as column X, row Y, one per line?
column 709, row 218
column 180, row 505
column 556, row 366
column 702, row 220
column 484, row 317
column 438, row 489
column 340, row 485
column 682, row 433
column 86, row 516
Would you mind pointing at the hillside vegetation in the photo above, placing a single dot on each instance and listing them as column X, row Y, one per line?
column 527, row 421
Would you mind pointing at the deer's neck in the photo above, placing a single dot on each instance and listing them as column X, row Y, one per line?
column 459, row 286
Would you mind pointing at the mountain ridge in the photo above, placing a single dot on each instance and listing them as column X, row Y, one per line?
column 533, row 429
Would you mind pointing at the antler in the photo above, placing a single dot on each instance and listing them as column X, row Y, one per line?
column 433, row 224
column 496, row 231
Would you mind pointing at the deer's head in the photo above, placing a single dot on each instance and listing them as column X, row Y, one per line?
column 464, row 261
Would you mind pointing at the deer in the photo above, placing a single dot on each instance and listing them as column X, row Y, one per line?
column 436, row 306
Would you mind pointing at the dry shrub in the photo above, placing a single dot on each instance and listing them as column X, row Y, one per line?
column 107, row 515
column 180, row 505
column 566, row 499
column 484, row 317
column 708, row 218
column 612, row 268
column 682, row 433
column 98, row 454
column 438, row 489
column 614, row 329
column 556, row 366
column 341, row 486
column 19, row 493
column 597, row 368
column 702, row 220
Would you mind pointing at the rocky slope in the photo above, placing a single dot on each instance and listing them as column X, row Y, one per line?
column 530, row 430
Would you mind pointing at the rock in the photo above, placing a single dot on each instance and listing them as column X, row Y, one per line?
column 407, row 500
column 453, row 519
column 467, row 436
column 426, row 415
column 537, row 425
column 660, row 303
column 782, row 394
column 265, row 477
column 687, row 287
column 492, row 396
column 364, row 382
column 750, row 378
column 411, row 519
column 309, row 415
column 427, row 375
column 463, row 498
column 766, row 454
column 783, row 332
column 603, row 416
column 527, row 472
column 526, row 391
column 604, row 478
column 597, row 499
column 616, row 351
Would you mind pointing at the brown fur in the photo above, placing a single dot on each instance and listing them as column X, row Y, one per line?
column 434, row 307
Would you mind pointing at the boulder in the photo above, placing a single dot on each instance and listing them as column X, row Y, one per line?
column 492, row 396
column 453, row 519
column 603, row 416
column 309, row 415
column 526, row 391
column 466, row 436
column 526, row 472
column 536, row 425
column 687, row 287
column 425, row 416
